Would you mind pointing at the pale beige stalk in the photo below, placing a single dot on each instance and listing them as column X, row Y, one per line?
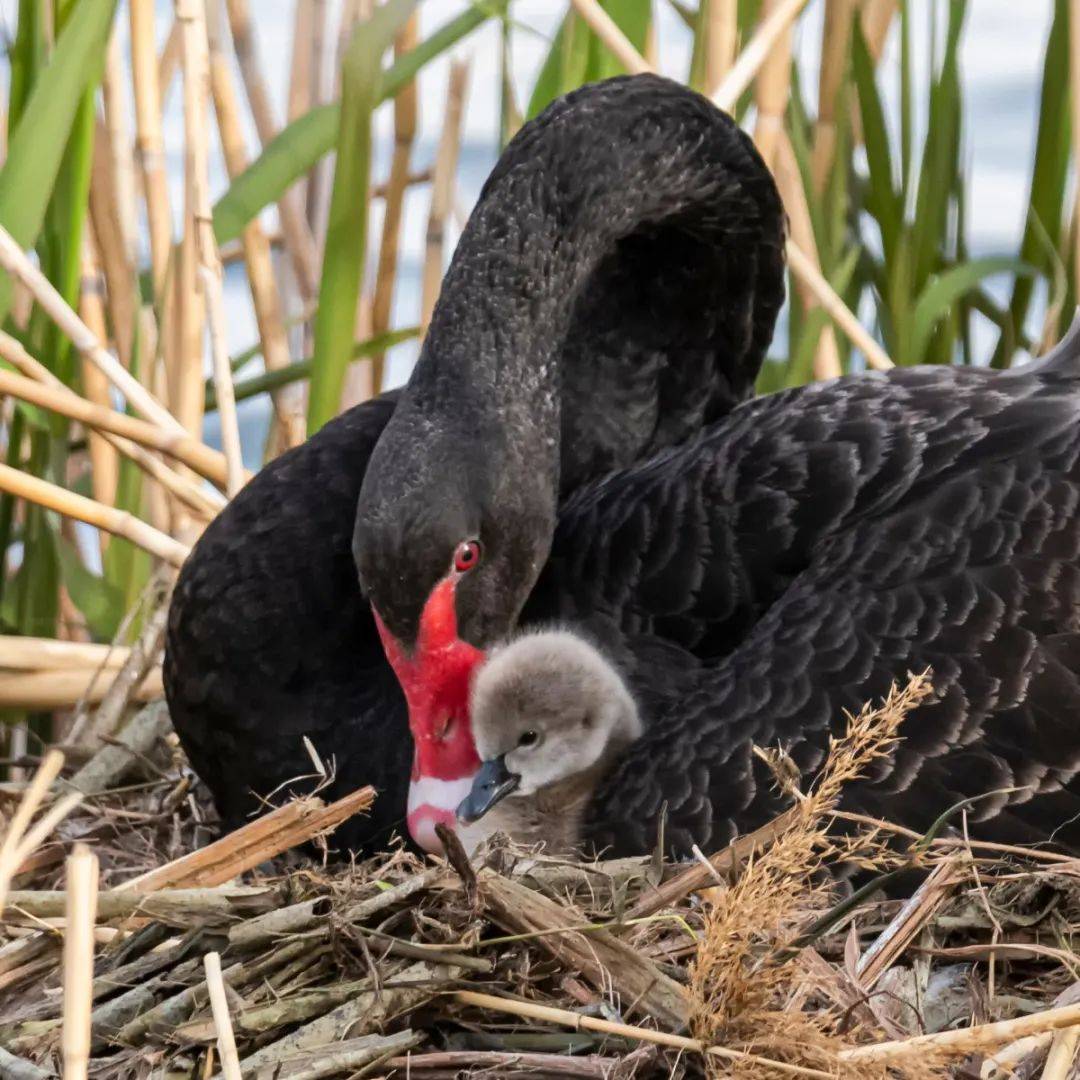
column 219, row 1006
column 756, row 52
column 82, row 889
column 772, row 88
column 103, row 462
column 722, row 39
column 835, row 43
column 607, row 30
column 118, row 522
column 255, row 245
column 405, row 121
column 442, row 187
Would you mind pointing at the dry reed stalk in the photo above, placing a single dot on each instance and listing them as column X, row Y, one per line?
column 235, row 474
column 908, row 922
column 877, row 18
column 804, row 269
column 295, row 823
column 150, row 145
column 607, row 30
column 405, row 120
column 299, row 242
column 46, row 691
column 299, row 99
column 168, row 63
column 322, row 71
column 118, row 522
column 219, row 1005
column 835, row 41
column 772, row 89
column 15, row 262
column 46, row 654
column 59, row 399
column 579, row 1022
column 979, row 1038
column 14, row 835
column 82, row 887
column 103, row 462
column 1074, row 79
column 721, row 41
column 1059, row 1061
column 442, row 187
column 187, row 394
column 790, row 182
column 121, row 146
column 108, row 228
column 758, row 49
column 255, row 245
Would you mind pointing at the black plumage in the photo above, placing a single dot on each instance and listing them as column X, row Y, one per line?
column 756, row 568
column 269, row 637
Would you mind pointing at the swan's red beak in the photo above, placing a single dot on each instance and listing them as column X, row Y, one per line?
column 435, row 678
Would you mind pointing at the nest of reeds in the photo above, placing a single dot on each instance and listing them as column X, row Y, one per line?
column 185, row 957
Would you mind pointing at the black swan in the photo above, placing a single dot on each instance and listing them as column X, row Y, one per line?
column 615, row 288
column 571, row 448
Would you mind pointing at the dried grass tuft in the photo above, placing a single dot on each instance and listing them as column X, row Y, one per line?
column 742, row 977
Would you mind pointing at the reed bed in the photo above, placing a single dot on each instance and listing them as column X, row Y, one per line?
column 153, row 944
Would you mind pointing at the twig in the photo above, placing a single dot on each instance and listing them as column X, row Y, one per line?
column 82, row 884
column 219, row 1004
column 1062, row 1054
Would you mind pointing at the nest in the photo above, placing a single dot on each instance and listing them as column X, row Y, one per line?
column 236, row 957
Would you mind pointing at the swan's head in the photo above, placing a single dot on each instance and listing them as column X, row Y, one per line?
column 546, row 707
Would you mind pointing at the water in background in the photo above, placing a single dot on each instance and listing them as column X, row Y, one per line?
column 1002, row 67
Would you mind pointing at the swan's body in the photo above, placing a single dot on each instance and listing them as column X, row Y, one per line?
column 572, row 448
column 549, row 711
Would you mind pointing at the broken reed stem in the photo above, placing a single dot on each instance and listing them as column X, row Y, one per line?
column 405, row 120
column 607, row 30
column 121, row 145
column 47, row 772
column 43, row 654
column 790, row 182
column 299, row 243
column 149, row 141
column 722, row 38
column 68, row 503
column 442, row 187
column 255, row 245
column 835, row 42
column 964, row 1040
column 804, row 269
column 82, row 887
column 46, row 691
column 578, row 1022
column 219, row 1006
column 1059, row 1061
column 169, row 61
column 757, row 51
column 15, row 262
column 56, row 397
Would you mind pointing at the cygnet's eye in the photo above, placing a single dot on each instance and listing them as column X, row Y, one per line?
column 528, row 738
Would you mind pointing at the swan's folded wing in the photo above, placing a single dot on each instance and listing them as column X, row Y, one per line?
column 254, row 656
column 974, row 572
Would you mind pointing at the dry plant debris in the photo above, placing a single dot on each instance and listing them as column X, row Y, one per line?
column 234, row 958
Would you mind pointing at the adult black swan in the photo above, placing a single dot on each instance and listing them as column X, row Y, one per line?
column 547, row 462
column 624, row 266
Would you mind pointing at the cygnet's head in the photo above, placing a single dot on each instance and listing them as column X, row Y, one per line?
column 544, row 708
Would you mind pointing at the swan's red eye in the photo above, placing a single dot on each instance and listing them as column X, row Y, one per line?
column 467, row 555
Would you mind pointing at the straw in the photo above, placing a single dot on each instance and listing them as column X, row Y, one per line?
column 219, row 1004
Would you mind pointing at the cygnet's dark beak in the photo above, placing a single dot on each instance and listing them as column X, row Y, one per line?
column 490, row 785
